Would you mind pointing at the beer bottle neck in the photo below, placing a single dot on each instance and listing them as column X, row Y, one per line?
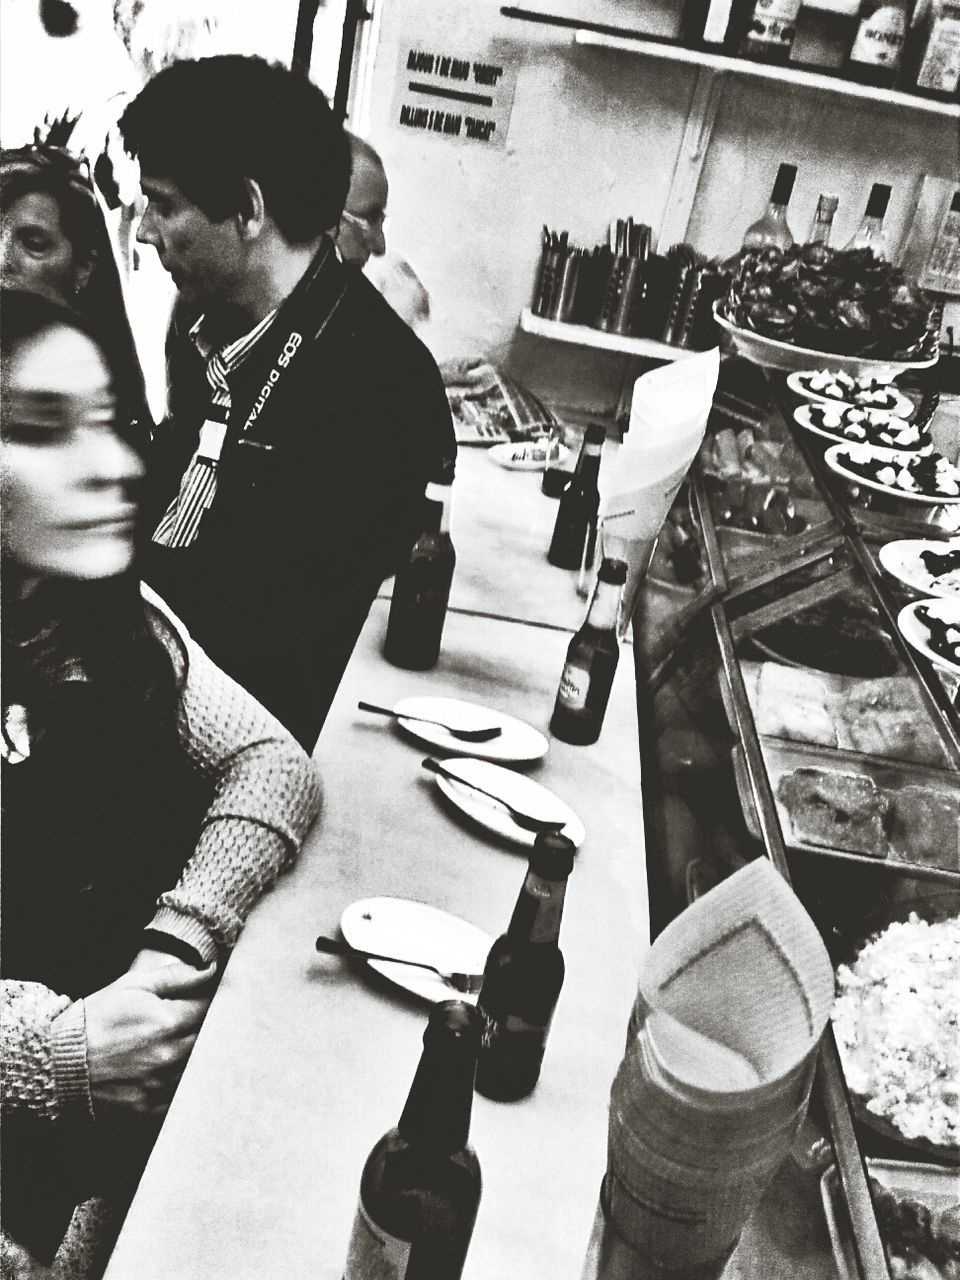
column 436, row 1116
column 602, row 614
column 588, row 464
column 539, row 910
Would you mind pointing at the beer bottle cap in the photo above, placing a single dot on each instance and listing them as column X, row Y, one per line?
column 453, row 1018
column 553, row 855
column 613, row 571
column 595, row 434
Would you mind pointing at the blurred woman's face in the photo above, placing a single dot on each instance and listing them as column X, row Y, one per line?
column 35, row 252
column 67, row 476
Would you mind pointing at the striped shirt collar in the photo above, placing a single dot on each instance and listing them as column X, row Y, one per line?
column 232, row 353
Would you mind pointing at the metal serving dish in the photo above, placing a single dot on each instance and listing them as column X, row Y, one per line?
column 931, row 1185
column 891, row 777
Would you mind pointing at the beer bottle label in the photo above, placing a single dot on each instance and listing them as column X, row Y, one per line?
column 879, row 40
column 373, row 1253
column 574, row 686
column 512, row 1038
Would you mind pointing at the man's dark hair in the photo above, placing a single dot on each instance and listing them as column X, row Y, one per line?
column 208, row 124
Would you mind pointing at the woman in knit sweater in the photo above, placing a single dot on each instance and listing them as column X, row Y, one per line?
column 148, row 802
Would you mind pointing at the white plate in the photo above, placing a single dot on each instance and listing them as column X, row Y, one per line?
column 835, row 456
column 418, row 931
column 517, row 790
column 773, row 354
column 801, row 416
column 524, row 455
column 901, row 560
column 903, row 407
column 916, row 633
column 518, row 741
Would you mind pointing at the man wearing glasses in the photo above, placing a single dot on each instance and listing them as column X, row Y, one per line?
column 360, row 237
column 361, row 224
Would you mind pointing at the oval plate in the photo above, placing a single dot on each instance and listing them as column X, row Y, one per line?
column 917, row 635
column 518, row 742
column 529, row 455
column 517, row 790
column 417, row 931
column 901, row 560
column 801, row 417
column 773, row 354
column 903, row 406
column 834, row 459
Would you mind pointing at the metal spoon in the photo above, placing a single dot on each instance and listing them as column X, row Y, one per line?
column 468, row 983
column 520, row 816
column 468, row 735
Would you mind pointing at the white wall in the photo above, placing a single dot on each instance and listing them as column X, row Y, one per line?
column 594, row 136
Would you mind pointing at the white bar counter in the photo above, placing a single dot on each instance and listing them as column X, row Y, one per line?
column 304, row 1061
column 501, row 528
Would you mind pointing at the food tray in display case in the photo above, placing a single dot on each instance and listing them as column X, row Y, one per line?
column 845, row 805
column 935, row 1188
column 773, row 354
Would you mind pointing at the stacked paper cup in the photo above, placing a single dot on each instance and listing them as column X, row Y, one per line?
column 734, row 996
column 668, row 417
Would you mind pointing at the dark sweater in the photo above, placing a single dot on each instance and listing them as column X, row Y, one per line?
column 319, row 497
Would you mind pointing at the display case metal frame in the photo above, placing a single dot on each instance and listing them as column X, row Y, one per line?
column 842, row 535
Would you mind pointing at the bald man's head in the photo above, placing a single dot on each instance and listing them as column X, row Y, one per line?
column 361, row 225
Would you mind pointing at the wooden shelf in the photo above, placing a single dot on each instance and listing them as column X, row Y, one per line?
column 582, row 335
column 759, row 70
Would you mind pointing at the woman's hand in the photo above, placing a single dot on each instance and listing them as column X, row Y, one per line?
column 147, row 959
column 140, row 1030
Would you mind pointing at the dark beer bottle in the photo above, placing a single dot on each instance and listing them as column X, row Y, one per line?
column 420, row 1187
column 421, row 588
column 579, row 506
column 523, row 976
column 591, row 662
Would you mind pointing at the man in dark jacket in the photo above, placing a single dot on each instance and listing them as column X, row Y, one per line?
column 306, row 418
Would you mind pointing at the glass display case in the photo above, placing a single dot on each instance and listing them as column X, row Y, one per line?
column 784, row 714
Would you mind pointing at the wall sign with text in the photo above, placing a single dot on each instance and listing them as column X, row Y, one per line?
column 455, row 95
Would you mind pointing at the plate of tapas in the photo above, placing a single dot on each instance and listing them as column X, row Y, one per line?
column 927, row 478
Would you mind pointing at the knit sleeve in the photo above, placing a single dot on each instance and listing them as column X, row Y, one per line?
column 43, row 1052
column 266, row 795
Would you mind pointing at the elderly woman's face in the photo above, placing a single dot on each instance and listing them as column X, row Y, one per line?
column 35, row 252
column 67, row 476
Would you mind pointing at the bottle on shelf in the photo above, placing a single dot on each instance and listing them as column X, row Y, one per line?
column 941, row 273
column 421, row 588
column 523, row 976
column 869, row 234
column 575, row 530
column 877, row 49
column 591, row 662
column 932, row 55
column 420, row 1186
column 770, row 31
column 772, row 228
column 822, row 223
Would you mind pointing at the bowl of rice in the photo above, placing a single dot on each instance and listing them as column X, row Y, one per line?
column 897, row 1026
